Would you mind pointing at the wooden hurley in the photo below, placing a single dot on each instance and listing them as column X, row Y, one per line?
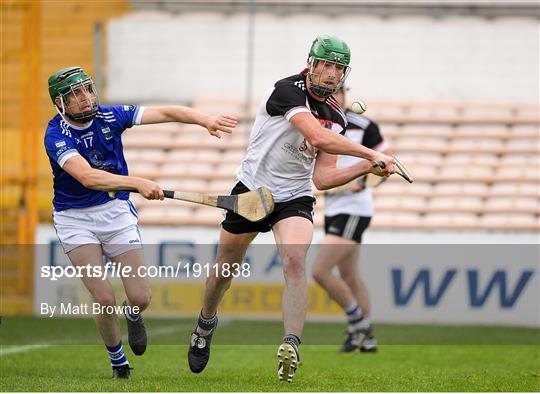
column 401, row 170
column 254, row 205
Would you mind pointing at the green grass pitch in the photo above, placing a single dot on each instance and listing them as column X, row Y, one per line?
column 411, row 358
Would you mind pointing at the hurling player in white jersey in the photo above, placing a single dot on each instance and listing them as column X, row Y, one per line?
column 294, row 139
column 83, row 142
column 348, row 212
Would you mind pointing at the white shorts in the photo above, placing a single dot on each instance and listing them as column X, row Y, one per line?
column 113, row 225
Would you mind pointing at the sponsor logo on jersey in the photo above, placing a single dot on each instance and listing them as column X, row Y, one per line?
column 97, row 160
column 306, row 149
column 297, row 154
column 89, row 134
column 129, row 107
column 107, row 133
column 60, row 143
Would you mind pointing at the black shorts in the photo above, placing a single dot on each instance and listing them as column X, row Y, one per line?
column 346, row 226
column 236, row 224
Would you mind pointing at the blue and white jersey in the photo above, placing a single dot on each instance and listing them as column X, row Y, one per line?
column 99, row 143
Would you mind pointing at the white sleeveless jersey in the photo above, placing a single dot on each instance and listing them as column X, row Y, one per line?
column 278, row 156
column 366, row 132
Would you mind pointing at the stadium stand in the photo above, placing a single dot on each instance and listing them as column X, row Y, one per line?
column 473, row 170
column 66, row 35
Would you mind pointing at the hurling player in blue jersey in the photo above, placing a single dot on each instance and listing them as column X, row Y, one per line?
column 84, row 145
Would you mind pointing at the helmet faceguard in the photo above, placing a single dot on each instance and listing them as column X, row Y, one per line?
column 333, row 52
column 73, row 93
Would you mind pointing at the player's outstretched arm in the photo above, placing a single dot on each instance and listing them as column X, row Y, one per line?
column 178, row 113
column 336, row 144
column 327, row 176
column 93, row 178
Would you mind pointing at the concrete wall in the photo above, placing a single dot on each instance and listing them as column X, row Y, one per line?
column 156, row 56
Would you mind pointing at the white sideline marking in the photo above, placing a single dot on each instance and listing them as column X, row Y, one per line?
column 21, row 349
column 155, row 332
column 165, row 330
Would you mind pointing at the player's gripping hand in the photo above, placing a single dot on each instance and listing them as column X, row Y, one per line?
column 387, row 169
column 150, row 190
column 222, row 123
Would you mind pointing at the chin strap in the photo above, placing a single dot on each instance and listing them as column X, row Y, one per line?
column 322, row 91
column 84, row 117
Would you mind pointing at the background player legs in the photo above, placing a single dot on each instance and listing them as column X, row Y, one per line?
column 349, row 272
column 347, row 289
column 293, row 237
column 101, row 291
column 341, row 252
column 231, row 249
